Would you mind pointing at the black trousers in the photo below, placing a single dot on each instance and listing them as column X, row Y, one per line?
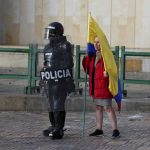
column 57, row 94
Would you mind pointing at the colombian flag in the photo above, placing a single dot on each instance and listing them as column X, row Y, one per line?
column 108, row 58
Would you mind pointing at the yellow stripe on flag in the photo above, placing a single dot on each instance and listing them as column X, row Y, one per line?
column 108, row 58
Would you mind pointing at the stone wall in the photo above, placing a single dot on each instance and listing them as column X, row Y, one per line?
column 1, row 21
column 125, row 22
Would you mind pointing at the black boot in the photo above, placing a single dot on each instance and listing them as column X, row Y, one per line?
column 58, row 132
column 51, row 128
column 63, row 116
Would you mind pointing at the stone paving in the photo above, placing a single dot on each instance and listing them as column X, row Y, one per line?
column 23, row 131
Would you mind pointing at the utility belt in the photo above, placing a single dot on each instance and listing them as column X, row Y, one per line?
column 49, row 74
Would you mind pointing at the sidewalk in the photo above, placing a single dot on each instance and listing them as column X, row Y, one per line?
column 23, row 131
column 23, row 117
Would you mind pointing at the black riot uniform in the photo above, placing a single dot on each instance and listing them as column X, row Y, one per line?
column 58, row 63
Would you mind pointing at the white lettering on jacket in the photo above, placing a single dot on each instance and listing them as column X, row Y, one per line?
column 57, row 74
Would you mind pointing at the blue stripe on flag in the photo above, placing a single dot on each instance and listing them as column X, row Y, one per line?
column 118, row 97
column 90, row 49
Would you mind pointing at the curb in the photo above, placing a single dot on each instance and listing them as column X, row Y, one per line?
column 74, row 103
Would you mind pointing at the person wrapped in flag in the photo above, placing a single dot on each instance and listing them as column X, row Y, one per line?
column 96, row 66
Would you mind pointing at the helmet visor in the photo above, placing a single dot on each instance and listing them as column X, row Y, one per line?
column 46, row 34
column 49, row 32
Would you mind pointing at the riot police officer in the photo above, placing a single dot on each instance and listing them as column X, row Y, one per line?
column 58, row 63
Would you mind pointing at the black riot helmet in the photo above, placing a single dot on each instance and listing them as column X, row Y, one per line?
column 54, row 29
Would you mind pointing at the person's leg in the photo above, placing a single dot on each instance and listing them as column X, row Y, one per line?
column 50, row 104
column 112, row 117
column 113, row 120
column 46, row 132
column 99, row 117
column 59, row 112
column 99, row 121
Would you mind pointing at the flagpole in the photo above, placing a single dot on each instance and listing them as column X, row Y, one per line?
column 85, row 89
column 84, row 104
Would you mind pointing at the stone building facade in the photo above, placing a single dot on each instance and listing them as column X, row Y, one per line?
column 125, row 22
